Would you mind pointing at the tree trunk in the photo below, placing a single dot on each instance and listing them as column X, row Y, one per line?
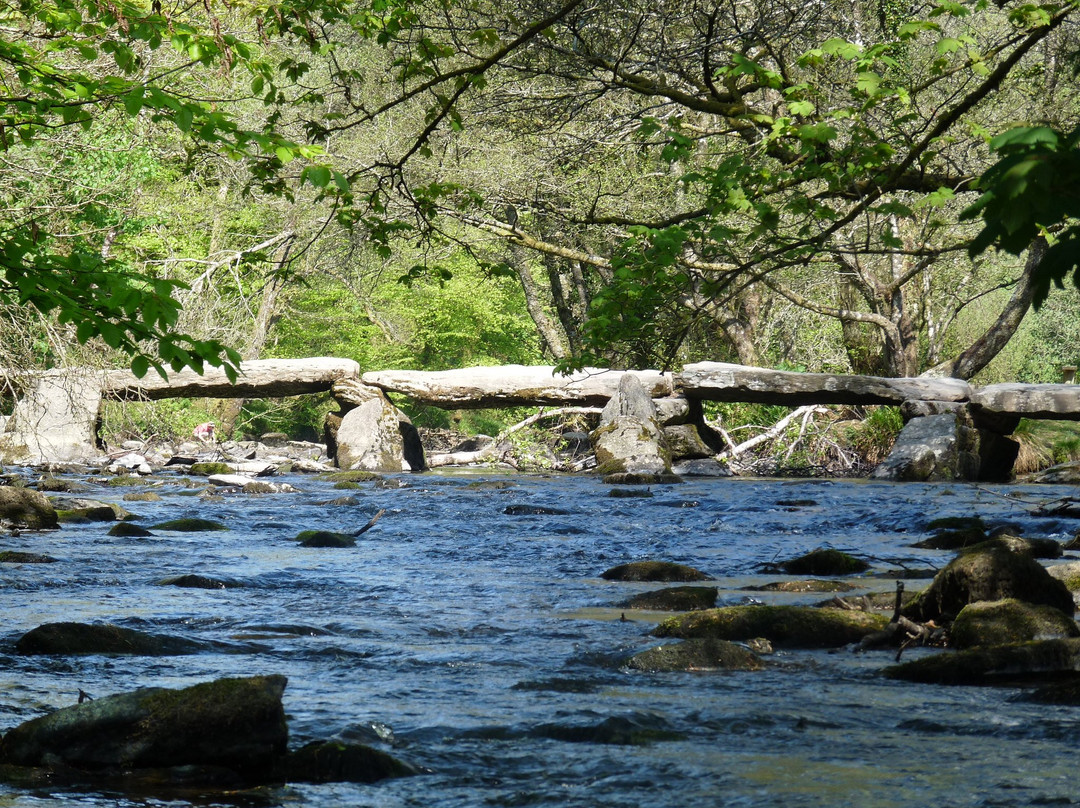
column 553, row 342
column 986, row 347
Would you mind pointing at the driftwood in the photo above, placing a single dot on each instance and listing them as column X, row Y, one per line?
column 901, row 631
column 492, row 453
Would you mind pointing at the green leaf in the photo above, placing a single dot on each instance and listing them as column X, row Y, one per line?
column 284, row 154
column 133, row 101
column 139, row 365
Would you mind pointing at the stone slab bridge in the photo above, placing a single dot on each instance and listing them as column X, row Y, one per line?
column 953, row 430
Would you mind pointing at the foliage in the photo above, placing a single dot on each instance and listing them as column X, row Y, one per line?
column 1033, row 190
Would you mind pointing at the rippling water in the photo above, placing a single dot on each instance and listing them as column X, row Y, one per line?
column 484, row 647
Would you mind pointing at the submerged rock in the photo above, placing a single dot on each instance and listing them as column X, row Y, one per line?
column 190, row 525
column 336, row 762
column 87, row 638
column 802, row 586
column 534, row 510
column 696, row 655
column 1003, row 622
column 192, row 581
column 634, row 730
column 988, row 571
column 128, row 529
column 325, row 538
column 24, row 507
column 675, row 599
column 824, row 562
column 238, row 724
column 17, row 557
column 1000, row 664
column 653, row 571
column 786, row 626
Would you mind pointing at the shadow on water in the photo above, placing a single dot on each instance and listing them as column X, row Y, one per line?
column 483, row 645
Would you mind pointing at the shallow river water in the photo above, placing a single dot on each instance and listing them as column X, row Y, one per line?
column 484, row 647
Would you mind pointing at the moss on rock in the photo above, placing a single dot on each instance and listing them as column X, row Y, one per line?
column 1005, row 622
column 696, row 655
column 675, row 599
column 1000, row 664
column 76, row 639
column 206, row 469
column 653, row 571
column 790, row 626
column 324, row 538
column 824, row 562
column 25, row 507
column 190, row 525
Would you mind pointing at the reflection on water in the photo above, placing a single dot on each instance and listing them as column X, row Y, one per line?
column 484, row 646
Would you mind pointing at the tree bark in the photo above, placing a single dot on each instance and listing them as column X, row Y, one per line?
column 980, row 353
column 554, row 342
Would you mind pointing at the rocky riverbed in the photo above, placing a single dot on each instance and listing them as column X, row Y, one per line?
column 511, row 638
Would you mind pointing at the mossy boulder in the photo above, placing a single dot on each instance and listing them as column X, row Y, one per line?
column 654, row 571
column 674, row 599
column 325, row 538
column 77, row 639
column 61, row 485
column 190, row 525
column 24, row 507
column 206, row 469
column 82, row 511
column 639, row 478
column 988, row 571
column 1068, row 573
column 238, row 724
column 786, row 626
column 336, row 762
column 696, row 655
column 999, row 664
column 1004, row 622
column 824, row 562
column 129, row 530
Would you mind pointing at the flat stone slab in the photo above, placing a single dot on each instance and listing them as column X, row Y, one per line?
column 720, row 381
column 259, row 378
column 1050, row 401
column 513, row 386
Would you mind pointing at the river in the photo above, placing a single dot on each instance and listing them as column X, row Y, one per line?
column 484, row 647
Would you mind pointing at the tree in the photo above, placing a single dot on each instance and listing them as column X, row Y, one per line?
column 681, row 167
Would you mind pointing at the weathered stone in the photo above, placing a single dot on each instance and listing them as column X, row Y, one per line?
column 696, row 655
column 513, row 385
column 336, row 762
column 1068, row 573
column 55, row 417
column 1000, row 664
column 630, row 493
column 258, row 378
column 824, row 562
column 25, row 507
column 719, row 381
column 629, row 438
column 370, row 433
column 785, row 626
column 706, row 467
column 142, row 496
column 1004, row 622
column 684, row 442
column 78, row 639
column 988, row 571
column 934, row 447
column 1062, row 474
column 802, row 586
column 653, row 571
column 674, row 599
column 1055, row 401
column 234, row 723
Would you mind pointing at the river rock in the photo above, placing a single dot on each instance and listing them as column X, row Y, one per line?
column 24, row 507
column 629, row 438
column 76, row 639
column 192, row 581
column 17, row 557
column 129, row 530
column 370, row 433
column 696, row 655
column 685, row 442
column 653, row 571
column 337, row 762
column 674, row 599
column 325, row 538
column 190, row 525
column 238, row 724
column 988, row 571
column 1069, row 574
column 1003, row 622
column 824, row 562
column 1000, row 664
column 784, row 626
